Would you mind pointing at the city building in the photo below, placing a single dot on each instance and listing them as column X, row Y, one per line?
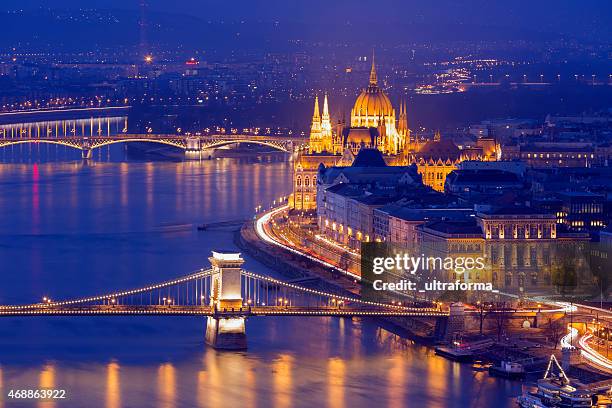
column 553, row 154
column 373, row 124
column 505, row 129
column 398, row 224
column 582, row 210
column 482, row 185
column 514, row 166
column 347, row 196
column 523, row 249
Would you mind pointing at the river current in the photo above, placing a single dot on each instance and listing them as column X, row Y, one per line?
column 69, row 229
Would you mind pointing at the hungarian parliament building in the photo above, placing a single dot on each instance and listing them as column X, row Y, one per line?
column 374, row 123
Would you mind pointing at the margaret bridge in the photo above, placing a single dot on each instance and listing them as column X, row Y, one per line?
column 226, row 294
column 87, row 134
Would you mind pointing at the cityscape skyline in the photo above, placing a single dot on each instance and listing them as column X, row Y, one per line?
column 309, row 203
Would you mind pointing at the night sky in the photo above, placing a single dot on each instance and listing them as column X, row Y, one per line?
column 559, row 16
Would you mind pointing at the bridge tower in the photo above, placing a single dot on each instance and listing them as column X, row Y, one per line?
column 228, row 333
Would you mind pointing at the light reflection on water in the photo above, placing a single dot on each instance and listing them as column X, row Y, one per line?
column 113, row 385
column 67, row 229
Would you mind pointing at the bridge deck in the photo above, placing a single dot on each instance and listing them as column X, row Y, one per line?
column 118, row 310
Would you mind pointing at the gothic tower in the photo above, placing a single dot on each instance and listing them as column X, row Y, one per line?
column 315, row 130
column 326, row 128
column 402, row 127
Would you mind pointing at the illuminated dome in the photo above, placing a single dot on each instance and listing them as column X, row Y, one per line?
column 373, row 101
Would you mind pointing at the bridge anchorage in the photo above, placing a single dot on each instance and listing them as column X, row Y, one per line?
column 226, row 295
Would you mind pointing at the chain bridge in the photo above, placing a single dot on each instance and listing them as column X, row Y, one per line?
column 226, row 294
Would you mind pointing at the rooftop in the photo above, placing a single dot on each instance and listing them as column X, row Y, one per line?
column 483, row 176
column 455, row 227
column 516, row 211
column 425, row 214
column 369, row 158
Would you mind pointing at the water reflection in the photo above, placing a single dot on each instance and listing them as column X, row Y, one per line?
column 2, row 392
column 282, row 376
column 113, row 389
column 166, row 385
column 396, row 380
column 47, row 380
column 336, row 371
column 104, row 227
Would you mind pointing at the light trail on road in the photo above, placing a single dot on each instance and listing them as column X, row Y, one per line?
column 260, row 229
column 568, row 339
column 592, row 355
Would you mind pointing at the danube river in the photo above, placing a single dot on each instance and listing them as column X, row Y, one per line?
column 69, row 229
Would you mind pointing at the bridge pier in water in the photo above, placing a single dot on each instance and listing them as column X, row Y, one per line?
column 226, row 333
column 193, row 150
column 86, row 153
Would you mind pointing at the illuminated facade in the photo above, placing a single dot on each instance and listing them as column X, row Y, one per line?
column 437, row 158
column 374, row 124
column 373, row 109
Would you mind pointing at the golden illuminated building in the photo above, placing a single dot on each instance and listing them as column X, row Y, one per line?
column 438, row 157
column 373, row 110
column 373, row 124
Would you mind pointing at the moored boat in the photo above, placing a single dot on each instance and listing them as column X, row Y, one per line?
column 557, row 390
column 465, row 350
column 508, row 369
column 530, row 400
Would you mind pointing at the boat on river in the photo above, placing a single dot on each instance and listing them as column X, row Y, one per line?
column 508, row 369
column 533, row 400
column 556, row 389
column 465, row 349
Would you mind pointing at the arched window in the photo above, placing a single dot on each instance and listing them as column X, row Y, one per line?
column 306, row 181
column 299, row 181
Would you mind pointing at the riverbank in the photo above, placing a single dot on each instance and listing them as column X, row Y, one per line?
column 514, row 347
column 302, row 270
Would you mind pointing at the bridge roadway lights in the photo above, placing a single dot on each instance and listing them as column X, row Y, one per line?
column 226, row 294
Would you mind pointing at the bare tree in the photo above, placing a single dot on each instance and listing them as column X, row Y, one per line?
column 554, row 329
column 501, row 319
